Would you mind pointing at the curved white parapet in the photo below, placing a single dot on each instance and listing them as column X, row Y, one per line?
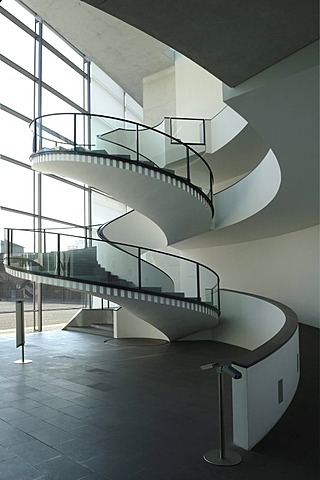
column 134, row 226
column 270, row 371
column 264, row 393
column 250, row 195
column 247, row 321
column 271, row 368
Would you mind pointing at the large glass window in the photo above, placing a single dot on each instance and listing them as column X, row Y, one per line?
column 53, row 104
column 16, row 187
column 16, row 137
column 63, row 206
column 20, row 98
column 21, row 238
column 62, row 77
column 62, row 201
column 12, row 48
column 20, row 205
column 19, row 12
column 59, row 44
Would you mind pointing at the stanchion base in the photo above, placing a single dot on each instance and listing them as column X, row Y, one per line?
column 230, row 458
column 23, row 361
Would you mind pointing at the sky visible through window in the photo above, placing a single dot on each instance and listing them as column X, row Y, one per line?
column 17, row 95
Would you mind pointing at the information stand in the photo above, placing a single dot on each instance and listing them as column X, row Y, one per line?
column 221, row 456
column 20, row 333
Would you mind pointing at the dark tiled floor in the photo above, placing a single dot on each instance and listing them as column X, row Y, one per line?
column 85, row 409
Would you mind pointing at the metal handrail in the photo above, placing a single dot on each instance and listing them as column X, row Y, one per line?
column 10, row 255
column 38, row 123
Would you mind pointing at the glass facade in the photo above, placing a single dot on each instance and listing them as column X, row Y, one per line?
column 46, row 76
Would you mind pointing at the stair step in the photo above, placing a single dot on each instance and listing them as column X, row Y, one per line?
column 175, row 294
column 100, row 151
column 117, row 155
column 152, row 289
column 90, row 330
column 108, row 327
column 144, row 162
column 120, row 156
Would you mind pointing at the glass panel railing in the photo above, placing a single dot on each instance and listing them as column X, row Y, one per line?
column 181, row 273
column 112, row 264
column 153, row 276
column 117, row 141
column 152, row 146
column 129, row 140
column 209, row 286
column 122, row 266
column 188, row 130
column 199, row 175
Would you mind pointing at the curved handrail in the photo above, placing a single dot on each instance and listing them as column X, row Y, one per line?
column 51, row 265
column 38, row 128
column 285, row 333
column 102, row 236
column 130, row 149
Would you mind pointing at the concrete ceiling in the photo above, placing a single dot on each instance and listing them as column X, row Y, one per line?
column 233, row 40
column 125, row 53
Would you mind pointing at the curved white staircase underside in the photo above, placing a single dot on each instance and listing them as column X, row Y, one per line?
column 179, row 209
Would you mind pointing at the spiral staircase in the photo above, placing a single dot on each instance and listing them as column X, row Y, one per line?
column 132, row 163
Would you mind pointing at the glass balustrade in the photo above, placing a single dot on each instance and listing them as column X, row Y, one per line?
column 128, row 140
column 118, row 265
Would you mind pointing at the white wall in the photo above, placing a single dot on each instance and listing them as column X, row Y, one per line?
column 159, row 97
column 284, row 268
column 198, row 93
column 184, row 90
column 250, row 195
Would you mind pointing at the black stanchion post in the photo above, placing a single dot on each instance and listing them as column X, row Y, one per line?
column 222, row 456
column 20, row 333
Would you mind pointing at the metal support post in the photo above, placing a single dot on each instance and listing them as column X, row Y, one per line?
column 221, row 456
column 20, row 333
